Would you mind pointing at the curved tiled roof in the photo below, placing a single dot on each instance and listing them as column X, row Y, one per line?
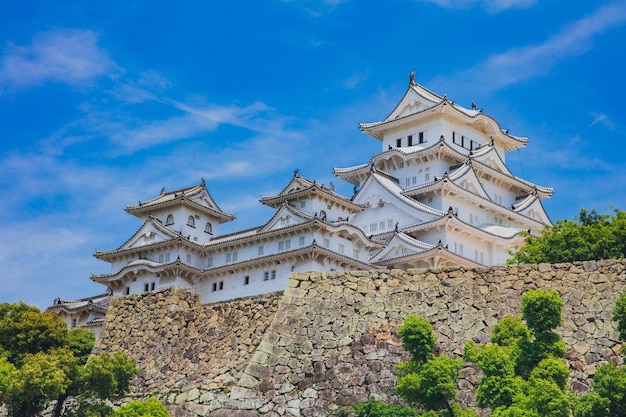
column 439, row 103
column 397, row 191
column 182, row 196
column 96, row 302
column 307, row 188
column 502, row 232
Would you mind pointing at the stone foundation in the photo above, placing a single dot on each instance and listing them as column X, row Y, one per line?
column 331, row 338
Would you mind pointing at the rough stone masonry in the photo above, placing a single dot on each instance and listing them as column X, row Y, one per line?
column 330, row 339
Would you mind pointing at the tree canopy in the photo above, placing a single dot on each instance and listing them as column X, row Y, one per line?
column 591, row 236
column 42, row 362
column 524, row 374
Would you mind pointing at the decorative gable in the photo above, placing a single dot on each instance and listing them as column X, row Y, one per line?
column 149, row 233
column 285, row 216
column 400, row 245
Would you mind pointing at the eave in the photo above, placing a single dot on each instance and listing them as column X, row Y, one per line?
column 435, row 257
column 446, row 184
column 450, row 220
column 445, row 107
column 277, row 258
column 183, row 200
column 313, row 191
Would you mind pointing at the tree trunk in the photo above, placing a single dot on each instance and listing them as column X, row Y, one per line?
column 58, row 408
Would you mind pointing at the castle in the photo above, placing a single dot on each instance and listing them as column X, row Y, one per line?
column 438, row 194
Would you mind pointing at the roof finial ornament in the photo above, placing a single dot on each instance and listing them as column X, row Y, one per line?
column 296, row 172
column 203, row 182
column 162, row 190
column 473, row 105
column 412, row 78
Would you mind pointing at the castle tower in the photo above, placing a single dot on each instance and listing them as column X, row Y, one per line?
column 439, row 193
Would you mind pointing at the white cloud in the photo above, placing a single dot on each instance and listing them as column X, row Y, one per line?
column 602, row 119
column 67, row 56
column 520, row 64
column 492, row 6
column 355, row 80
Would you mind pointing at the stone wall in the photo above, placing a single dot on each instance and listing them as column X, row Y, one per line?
column 331, row 338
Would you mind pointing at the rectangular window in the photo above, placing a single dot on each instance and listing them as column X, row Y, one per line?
column 281, row 245
column 302, row 204
column 127, row 290
column 301, row 240
column 273, row 275
column 229, row 257
column 381, row 225
column 421, row 137
column 409, row 140
column 389, row 224
column 458, row 248
column 288, row 244
column 188, row 259
column 355, row 253
column 221, row 285
column 246, row 280
column 340, row 248
column 374, row 227
column 74, row 322
column 407, row 182
column 215, row 286
column 209, row 262
column 430, row 199
column 167, row 257
column 326, row 243
column 266, row 276
column 413, row 180
column 161, row 258
column 398, row 143
column 260, row 250
column 146, row 286
column 152, row 286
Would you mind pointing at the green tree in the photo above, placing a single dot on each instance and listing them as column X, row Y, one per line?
column 591, row 236
column 524, row 375
column 375, row 408
column 427, row 381
column 149, row 408
column 42, row 362
column 26, row 330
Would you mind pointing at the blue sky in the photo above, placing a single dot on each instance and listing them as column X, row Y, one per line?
column 104, row 103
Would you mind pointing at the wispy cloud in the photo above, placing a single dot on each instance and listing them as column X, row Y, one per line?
column 67, row 56
column 520, row 64
column 603, row 120
column 355, row 80
column 492, row 6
